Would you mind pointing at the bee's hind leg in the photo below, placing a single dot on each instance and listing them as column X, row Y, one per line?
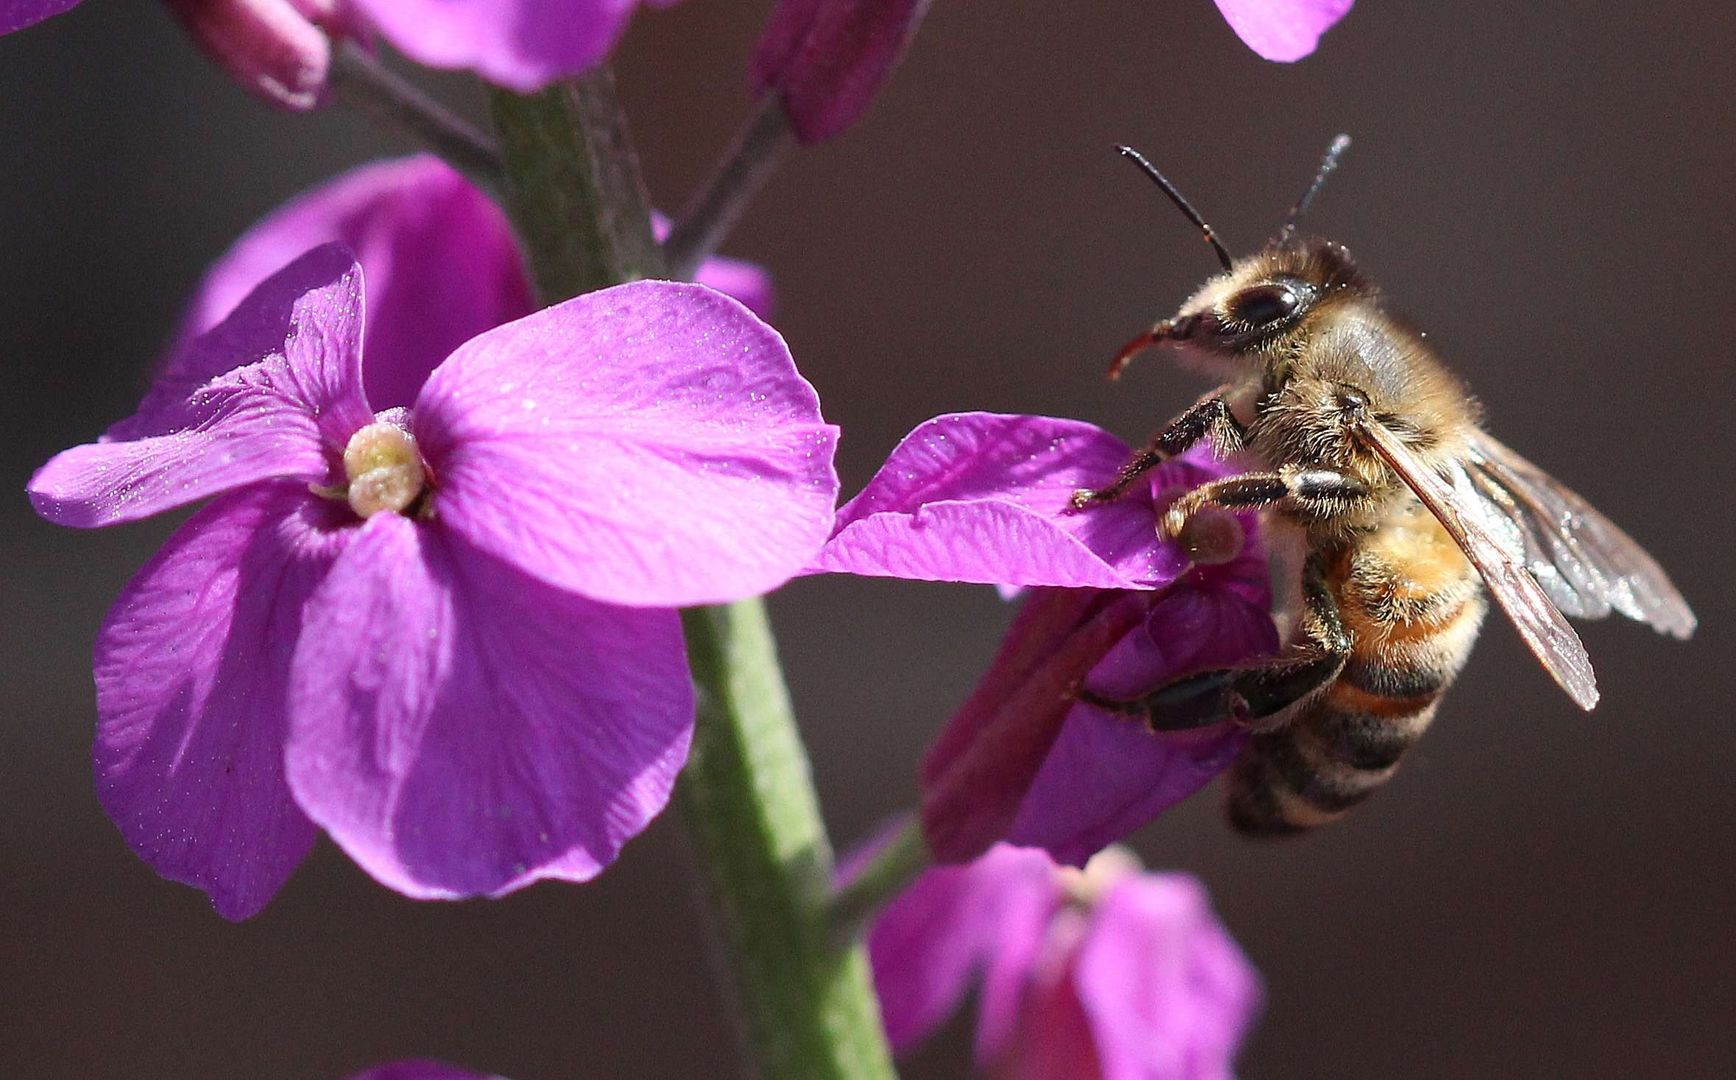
column 1255, row 694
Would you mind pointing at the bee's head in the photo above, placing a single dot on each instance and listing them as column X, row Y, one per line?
column 1261, row 304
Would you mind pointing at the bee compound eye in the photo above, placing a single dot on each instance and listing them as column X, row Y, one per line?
column 1263, row 305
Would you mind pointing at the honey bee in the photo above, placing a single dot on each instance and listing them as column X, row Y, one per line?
column 1367, row 455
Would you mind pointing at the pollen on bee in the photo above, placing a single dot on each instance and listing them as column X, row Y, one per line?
column 1211, row 536
column 384, row 469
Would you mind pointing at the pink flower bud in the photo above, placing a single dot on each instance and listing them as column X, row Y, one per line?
column 273, row 48
column 828, row 57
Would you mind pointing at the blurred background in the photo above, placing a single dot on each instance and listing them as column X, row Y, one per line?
column 1543, row 187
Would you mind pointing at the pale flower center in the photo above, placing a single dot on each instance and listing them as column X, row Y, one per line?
column 383, row 468
column 1084, row 888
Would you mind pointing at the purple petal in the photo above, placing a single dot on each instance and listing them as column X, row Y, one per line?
column 828, row 58
column 290, row 397
column 462, row 729
column 520, row 44
column 1167, row 991
column 1107, row 775
column 419, row 1070
column 1283, row 30
column 17, row 14
column 984, row 497
column 650, row 444
column 192, row 671
column 438, row 257
column 947, row 927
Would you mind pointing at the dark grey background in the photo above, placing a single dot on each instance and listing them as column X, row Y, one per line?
column 1545, row 188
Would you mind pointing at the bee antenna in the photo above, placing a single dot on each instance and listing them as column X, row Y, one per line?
column 1328, row 163
column 1175, row 197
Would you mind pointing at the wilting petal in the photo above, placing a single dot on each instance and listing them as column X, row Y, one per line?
column 952, row 923
column 985, row 497
column 192, row 671
column 269, row 47
column 1106, row 774
column 975, row 776
column 463, row 729
column 1282, row 29
column 1167, row 991
column 520, row 44
column 650, row 444
column 438, row 256
column 419, row 1070
column 17, row 14
column 828, row 57
column 290, row 396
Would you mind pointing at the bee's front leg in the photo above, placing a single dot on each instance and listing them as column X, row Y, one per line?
column 1321, row 492
column 1256, row 694
column 1210, row 418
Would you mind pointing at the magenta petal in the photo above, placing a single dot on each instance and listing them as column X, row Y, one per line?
column 1106, row 775
column 438, row 257
column 943, row 930
column 1283, row 30
column 1167, row 992
column 462, row 729
column 293, row 401
column 984, row 497
column 17, row 14
column 650, row 444
column 828, row 57
column 520, row 44
column 192, row 670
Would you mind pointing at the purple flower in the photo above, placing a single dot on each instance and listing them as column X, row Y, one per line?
column 980, row 497
column 1282, row 30
column 279, row 49
column 441, row 633
column 440, row 261
column 520, row 44
column 1106, row 974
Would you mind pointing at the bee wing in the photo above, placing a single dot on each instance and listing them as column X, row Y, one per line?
column 1583, row 560
column 1496, row 547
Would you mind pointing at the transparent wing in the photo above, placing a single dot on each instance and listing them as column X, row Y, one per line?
column 1583, row 560
column 1496, row 547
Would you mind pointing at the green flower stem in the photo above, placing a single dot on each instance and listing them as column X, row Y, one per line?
column 573, row 187
column 750, row 808
column 747, row 799
column 362, row 83
column 886, row 874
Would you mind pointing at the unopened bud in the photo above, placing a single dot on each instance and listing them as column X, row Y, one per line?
column 273, row 48
column 828, row 57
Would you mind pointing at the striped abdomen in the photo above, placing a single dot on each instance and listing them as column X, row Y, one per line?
column 1411, row 606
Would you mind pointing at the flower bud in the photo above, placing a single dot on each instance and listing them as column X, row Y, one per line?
column 828, row 57
column 271, row 47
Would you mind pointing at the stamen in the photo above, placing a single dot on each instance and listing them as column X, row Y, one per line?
column 384, row 469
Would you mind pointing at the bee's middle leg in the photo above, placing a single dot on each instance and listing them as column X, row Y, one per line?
column 1254, row 694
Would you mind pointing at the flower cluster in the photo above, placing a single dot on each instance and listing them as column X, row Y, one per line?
column 427, row 599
